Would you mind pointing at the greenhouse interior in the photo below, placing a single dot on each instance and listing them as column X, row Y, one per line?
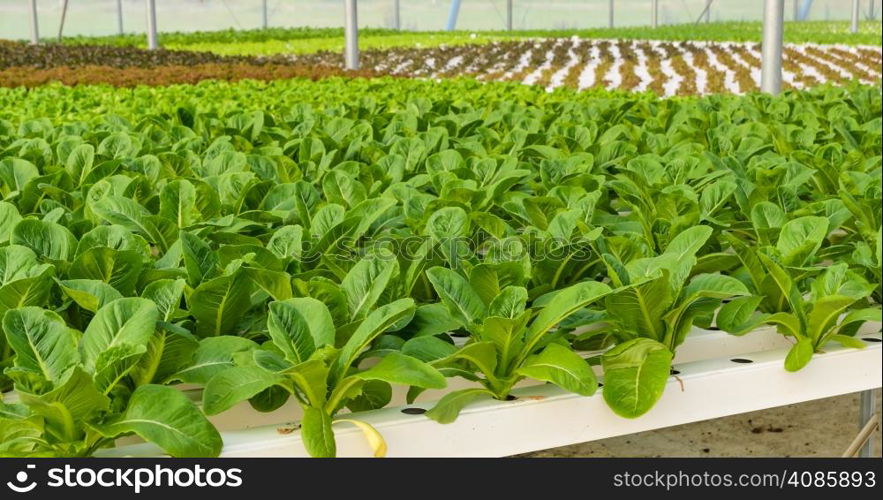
column 440, row 228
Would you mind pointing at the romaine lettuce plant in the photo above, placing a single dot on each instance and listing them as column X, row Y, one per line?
column 237, row 209
column 24, row 281
column 827, row 313
column 77, row 392
column 373, row 280
column 301, row 360
column 508, row 340
column 866, row 252
column 814, row 304
column 651, row 314
column 797, row 243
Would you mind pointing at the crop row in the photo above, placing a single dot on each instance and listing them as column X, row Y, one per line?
column 19, row 54
column 304, row 40
column 666, row 68
column 325, row 251
column 30, row 66
column 97, row 104
column 166, row 75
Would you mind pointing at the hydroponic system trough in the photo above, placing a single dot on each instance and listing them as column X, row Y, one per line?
column 717, row 375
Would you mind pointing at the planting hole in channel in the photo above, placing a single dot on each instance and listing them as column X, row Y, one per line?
column 741, row 360
column 511, row 397
column 674, row 372
column 414, row 411
column 871, row 339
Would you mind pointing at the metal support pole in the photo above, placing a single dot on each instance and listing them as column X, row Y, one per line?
column 120, row 17
column 610, row 14
column 63, row 17
column 803, row 12
column 654, row 14
column 152, row 43
column 452, row 15
column 704, row 15
column 867, row 408
column 771, row 56
column 853, row 27
column 265, row 19
column 397, row 18
column 796, row 11
column 351, row 35
column 508, row 15
column 872, row 10
column 35, row 28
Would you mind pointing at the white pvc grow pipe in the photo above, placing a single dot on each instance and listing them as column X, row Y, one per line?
column 710, row 388
column 700, row 345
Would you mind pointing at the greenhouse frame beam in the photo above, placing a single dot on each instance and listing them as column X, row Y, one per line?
column 351, row 35
column 265, row 16
column 771, row 56
column 63, row 17
column 706, row 12
column 654, row 14
column 509, row 15
column 120, row 17
column 867, row 409
column 856, row 10
column 610, row 13
column 152, row 38
column 452, row 15
column 804, row 10
column 35, row 24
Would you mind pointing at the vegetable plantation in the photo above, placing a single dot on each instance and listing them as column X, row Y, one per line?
column 325, row 241
column 665, row 68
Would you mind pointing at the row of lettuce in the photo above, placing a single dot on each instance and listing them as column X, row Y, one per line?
column 325, row 241
column 304, row 40
column 24, row 65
